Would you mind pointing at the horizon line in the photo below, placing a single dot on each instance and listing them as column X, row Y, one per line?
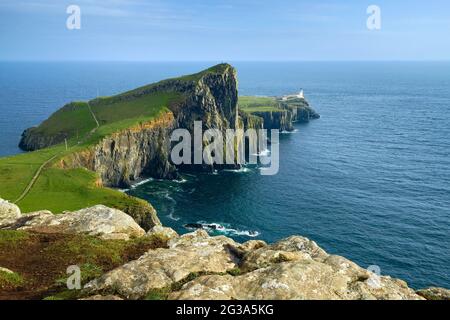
column 224, row 61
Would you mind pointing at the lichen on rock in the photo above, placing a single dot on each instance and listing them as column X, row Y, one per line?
column 101, row 221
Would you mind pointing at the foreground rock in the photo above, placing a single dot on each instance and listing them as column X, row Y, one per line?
column 162, row 233
column 9, row 212
column 216, row 267
column 101, row 221
column 294, row 268
column 434, row 293
column 157, row 269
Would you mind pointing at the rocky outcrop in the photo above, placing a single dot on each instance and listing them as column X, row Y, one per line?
column 99, row 221
column 300, row 109
column 162, row 233
column 160, row 268
column 219, row 268
column 281, row 120
column 198, row 266
column 32, row 139
column 434, row 293
column 9, row 212
column 295, row 268
column 281, row 117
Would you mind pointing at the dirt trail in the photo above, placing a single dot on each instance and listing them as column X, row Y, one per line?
column 35, row 177
column 38, row 172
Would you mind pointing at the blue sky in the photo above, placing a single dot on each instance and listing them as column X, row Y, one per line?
column 227, row 30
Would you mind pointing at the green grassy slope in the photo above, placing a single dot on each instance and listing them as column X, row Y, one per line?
column 251, row 104
column 17, row 171
column 59, row 190
column 73, row 119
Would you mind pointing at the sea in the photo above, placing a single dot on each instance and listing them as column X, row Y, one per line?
column 369, row 180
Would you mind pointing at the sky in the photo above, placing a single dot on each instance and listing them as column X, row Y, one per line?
column 227, row 30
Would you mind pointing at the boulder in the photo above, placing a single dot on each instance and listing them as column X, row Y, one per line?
column 434, row 293
column 193, row 253
column 162, row 233
column 294, row 268
column 255, row 255
column 9, row 212
column 295, row 280
column 101, row 221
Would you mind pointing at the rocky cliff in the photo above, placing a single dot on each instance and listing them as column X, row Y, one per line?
column 300, row 109
column 143, row 150
column 281, row 120
column 198, row 266
column 276, row 112
column 123, row 157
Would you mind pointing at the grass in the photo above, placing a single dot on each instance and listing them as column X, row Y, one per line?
column 12, row 239
column 10, row 280
column 59, row 190
column 262, row 109
column 250, row 104
column 42, row 260
column 74, row 119
column 17, row 171
column 146, row 107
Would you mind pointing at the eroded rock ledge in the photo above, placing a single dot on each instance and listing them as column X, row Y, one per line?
column 198, row 266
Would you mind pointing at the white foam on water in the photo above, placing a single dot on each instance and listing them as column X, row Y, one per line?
column 182, row 180
column 264, row 153
column 289, row 132
column 243, row 169
column 228, row 230
column 140, row 183
column 172, row 217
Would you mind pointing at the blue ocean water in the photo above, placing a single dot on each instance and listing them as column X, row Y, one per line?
column 370, row 180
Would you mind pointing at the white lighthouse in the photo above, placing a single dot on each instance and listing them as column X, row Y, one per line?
column 300, row 95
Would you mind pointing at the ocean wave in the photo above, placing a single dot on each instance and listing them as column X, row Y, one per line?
column 289, row 132
column 140, row 183
column 264, row 153
column 217, row 227
column 182, row 180
column 173, row 217
column 243, row 169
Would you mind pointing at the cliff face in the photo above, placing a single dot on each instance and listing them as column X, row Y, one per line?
column 32, row 140
column 144, row 150
column 301, row 110
column 281, row 120
column 123, row 157
column 276, row 113
column 210, row 96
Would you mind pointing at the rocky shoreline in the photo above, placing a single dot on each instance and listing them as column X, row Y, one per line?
column 197, row 266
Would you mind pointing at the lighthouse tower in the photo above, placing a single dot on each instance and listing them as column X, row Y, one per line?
column 301, row 95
